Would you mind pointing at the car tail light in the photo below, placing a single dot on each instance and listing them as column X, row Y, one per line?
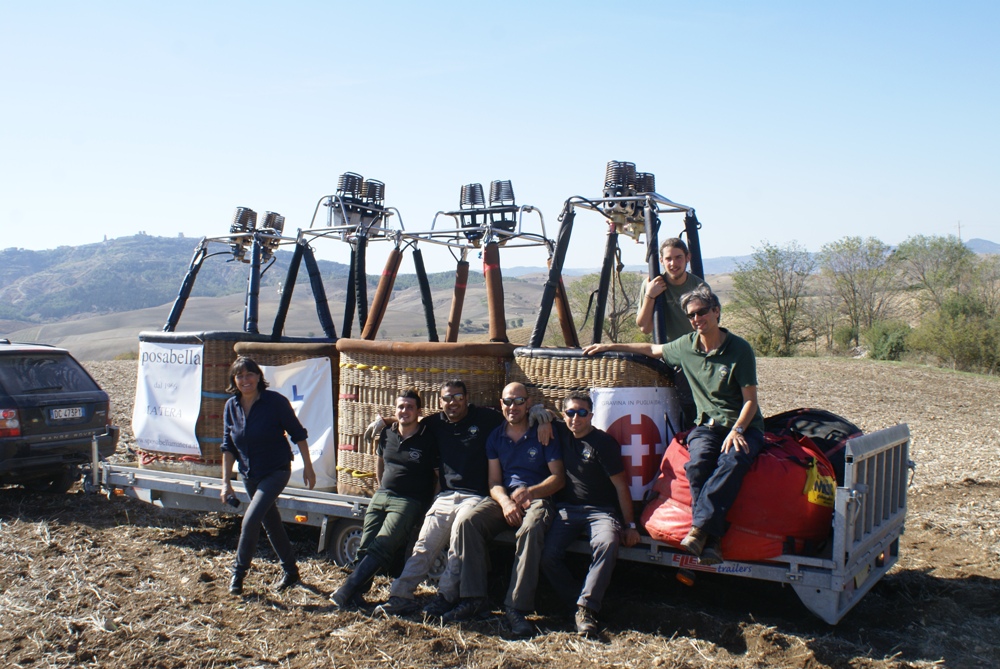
column 108, row 423
column 10, row 426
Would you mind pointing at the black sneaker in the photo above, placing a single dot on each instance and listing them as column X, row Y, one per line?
column 467, row 609
column 586, row 623
column 518, row 624
column 400, row 606
column 438, row 606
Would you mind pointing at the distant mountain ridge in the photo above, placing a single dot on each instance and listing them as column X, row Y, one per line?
column 143, row 271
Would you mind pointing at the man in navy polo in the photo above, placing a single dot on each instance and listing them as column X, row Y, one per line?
column 523, row 475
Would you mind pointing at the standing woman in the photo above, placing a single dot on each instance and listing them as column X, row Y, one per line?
column 255, row 423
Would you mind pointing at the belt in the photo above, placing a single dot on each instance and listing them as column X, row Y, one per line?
column 715, row 425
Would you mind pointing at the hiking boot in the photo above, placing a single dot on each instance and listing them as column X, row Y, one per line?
column 467, row 609
column 711, row 554
column 694, row 542
column 290, row 578
column 350, row 594
column 438, row 606
column 236, row 583
column 519, row 626
column 586, row 623
column 400, row 606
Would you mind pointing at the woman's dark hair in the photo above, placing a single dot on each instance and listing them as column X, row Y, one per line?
column 244, row 364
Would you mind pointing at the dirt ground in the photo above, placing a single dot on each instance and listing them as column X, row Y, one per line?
column 90, row 582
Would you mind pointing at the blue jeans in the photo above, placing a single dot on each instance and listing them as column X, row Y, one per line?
column 602, row 529
column 715, row 477
column 388, row 522
column 263, row 512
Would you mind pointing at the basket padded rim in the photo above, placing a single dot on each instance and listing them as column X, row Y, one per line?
column 490, row 349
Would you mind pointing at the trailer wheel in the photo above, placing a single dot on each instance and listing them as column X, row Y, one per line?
column 344, row 544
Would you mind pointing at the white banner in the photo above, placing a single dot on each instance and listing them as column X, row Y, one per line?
column 168, row 397
column 308, row 385
column 638, row 419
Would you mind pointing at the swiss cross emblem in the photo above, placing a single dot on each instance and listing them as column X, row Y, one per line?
column 639, row 441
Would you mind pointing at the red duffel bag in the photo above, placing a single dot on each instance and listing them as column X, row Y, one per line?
column 785, row 504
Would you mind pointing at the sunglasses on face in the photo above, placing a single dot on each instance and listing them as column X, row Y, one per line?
column 700, row 312
column 507, row 401
column 573, row 413
column 455, row 396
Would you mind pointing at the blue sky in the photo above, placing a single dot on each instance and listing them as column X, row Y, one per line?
column 777, row 121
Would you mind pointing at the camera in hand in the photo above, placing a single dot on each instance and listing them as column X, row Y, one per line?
column 233, row 501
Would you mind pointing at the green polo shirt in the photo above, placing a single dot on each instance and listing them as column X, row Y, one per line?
column 717, row 378
column 678, row 324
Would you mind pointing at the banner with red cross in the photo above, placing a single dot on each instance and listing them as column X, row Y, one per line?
column 638, row 419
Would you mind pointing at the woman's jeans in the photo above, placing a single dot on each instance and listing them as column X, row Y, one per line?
column 262, row 511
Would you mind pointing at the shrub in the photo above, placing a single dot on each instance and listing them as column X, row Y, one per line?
column 886, row 340
column 844, row 336
column 960, row 335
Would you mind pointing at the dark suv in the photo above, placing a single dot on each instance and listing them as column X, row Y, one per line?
column 50, row 410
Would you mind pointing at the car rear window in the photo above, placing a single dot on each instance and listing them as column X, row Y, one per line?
column 43, row 373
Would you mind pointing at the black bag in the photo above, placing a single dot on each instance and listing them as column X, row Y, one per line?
column 828, row 430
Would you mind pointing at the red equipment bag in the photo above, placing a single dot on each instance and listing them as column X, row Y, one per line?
column 785, row 503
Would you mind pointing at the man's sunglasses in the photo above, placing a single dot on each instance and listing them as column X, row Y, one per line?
column 507, row 401
column 455, row 396
column 700, row 312
column 573, row 413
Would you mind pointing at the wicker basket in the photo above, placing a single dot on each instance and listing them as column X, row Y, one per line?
column 550, row 374
column 372, row 373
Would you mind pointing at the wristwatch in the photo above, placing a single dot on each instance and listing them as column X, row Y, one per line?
column 631, row 526
column 737, row 429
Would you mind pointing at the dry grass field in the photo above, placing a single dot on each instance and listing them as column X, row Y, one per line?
column 91, row 582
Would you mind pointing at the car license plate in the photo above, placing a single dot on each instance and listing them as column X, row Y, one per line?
column 64, row 414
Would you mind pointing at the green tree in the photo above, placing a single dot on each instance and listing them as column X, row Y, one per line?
column 986, row 282
column 961, row 335
column 863, row 274
column 938, row 266
column 822, row 313
column 769, row 292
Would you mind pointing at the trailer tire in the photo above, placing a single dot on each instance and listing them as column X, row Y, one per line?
column 344, row 544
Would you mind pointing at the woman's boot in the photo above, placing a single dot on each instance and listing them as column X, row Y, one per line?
column 236, row 583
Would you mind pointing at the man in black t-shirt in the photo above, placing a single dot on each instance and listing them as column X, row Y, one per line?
column 594, row 503
column 461, row 430
column 407, row 468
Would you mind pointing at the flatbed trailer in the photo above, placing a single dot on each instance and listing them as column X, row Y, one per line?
column 869, row 518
